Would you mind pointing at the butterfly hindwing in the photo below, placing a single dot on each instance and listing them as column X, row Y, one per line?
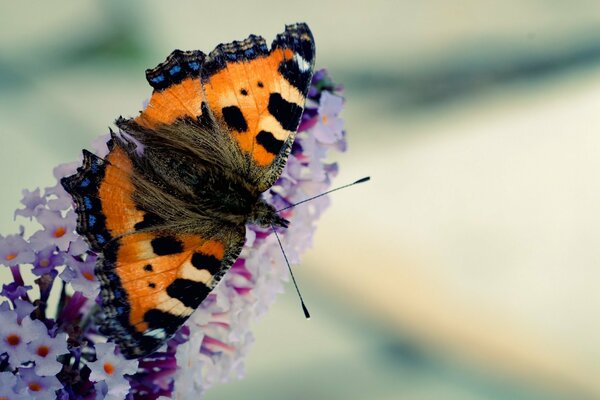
column 153, row 281
column 152, row 278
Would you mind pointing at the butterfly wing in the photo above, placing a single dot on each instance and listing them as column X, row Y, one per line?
column 152, row 278
column 258, row 94
column 254, row 94
column 177, row 90
column 232, row 115
column 153, row 281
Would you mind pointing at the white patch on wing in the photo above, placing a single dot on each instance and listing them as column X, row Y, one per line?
column 303, row 65
column 156, row 333
column 188, row 271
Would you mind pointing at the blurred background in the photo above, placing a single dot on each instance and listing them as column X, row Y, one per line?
column 467, row 269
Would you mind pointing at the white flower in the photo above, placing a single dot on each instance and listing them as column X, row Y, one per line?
column 15, row 250
column 8, row 387
column 38, row 387
column 58, row 230
column 111, row 368
column 23, row 308
column 44, row 352
column 188, row 379
column 14, row 336
column 328, row 128
column 81, row 276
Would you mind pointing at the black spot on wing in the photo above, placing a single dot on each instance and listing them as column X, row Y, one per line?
column 290, row 70
column 165, row 245
column 190, row 293
column 148, row 268
column 235, row 119
column 286, row 113
column 299, row 39
column 269, row 142
column 149, row 221
column 207, row 262
column 157, row 319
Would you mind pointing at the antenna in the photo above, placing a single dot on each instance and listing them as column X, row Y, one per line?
column 361, row 180
column 306, row 313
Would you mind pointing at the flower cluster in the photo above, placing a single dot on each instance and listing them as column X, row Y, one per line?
column 51, row 348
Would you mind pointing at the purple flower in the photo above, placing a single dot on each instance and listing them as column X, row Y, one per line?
column 15, row 250
column 58, row 198
column 58, row 230
column 46, row 260
column 78, row 247
column 80, row 274
column 32, row 202
column 329, row 126
column 22, row 308
column 14, row 290
column 44, row 351
column 38, row 387
column 14, row 336
column 8, row 387
column 111, row 369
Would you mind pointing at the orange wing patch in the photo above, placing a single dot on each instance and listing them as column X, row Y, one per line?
column 178, row 101
column 103, row 194
column 240, row 95
column 116, row 194
column 165, row 274
column 259, row 93
column 177, row 90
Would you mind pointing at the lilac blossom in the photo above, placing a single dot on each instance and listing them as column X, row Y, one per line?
column 9, row 387
column 15, row 250
column 44, row 350
column 329, row 126
column 38, row 387
column 111, row 369
column 59, row 352
column 22, row 308
column 15, row 336
column 80, row 274
column 33, row 201
column 47, row 260
column 58, row 230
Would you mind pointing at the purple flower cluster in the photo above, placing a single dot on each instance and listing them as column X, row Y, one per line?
column 56, row 352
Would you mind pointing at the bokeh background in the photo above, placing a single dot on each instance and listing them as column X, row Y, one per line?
column 467, row 269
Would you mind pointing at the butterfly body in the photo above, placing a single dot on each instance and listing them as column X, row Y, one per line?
column 167, row 207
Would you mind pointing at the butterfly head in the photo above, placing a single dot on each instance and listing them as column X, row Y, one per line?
column 265, row 215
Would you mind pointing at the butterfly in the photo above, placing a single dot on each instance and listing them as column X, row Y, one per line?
column 167, row 207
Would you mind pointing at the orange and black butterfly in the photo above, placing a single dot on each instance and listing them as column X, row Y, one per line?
column 167, row 207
